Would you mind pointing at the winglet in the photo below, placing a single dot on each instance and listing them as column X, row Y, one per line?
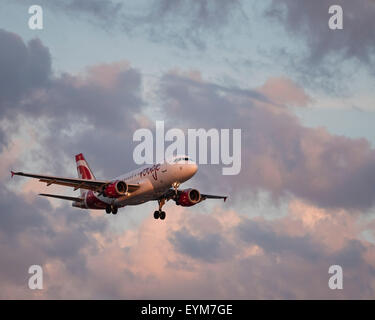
column 12, row 173
column 225, row 199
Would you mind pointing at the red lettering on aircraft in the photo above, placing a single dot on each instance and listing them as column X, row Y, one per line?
column 152, row 170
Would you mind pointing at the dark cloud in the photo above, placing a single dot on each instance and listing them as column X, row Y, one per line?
column 264, row 235
column 23, row 67
column 309, row 20
column 351, row 255
column 100, row 103
column 208, row 247
column 17, row 216
column 86, row 101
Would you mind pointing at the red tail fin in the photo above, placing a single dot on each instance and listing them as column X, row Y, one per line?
column 83, row 169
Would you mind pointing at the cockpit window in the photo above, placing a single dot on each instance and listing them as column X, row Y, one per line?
column 181, row 159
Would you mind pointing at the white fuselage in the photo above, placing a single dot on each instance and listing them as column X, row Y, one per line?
column 153, row 181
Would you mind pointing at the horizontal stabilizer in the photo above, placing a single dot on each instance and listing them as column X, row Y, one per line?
column 61, row 197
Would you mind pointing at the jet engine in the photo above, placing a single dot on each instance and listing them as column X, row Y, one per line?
column 115, row 189
column 188, row 197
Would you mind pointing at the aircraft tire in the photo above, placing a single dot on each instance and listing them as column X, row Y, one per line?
column 162, row 215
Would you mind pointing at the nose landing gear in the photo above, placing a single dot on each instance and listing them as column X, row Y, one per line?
column 175, row 186
column 111, row 209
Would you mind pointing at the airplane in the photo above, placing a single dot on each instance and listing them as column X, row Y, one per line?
column 159, row 182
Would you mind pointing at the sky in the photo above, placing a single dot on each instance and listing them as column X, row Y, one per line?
column 302, row 95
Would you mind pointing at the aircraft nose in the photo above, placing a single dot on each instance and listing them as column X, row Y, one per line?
column 193, row 168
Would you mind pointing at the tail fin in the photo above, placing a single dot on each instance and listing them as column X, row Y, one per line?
column 83, row 169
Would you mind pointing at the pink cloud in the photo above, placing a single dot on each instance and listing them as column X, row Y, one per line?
column 284, row 91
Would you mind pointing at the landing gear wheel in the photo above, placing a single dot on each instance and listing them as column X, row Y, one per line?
column 114, row 210
column 162, row 215
column 108, row 209
column 159, row 213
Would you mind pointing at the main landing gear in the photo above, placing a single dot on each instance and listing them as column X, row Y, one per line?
column 111, row 209
column 159, row 213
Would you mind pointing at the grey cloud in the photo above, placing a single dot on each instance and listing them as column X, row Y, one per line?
column 349, row 256
column 108, row 112
column 309, row 19
column 208, row 247
column 198, row 101
column 23, row 67
column 101, row 105
column 18, row 215
column 264, row 235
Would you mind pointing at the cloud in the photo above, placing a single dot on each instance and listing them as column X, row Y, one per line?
column 24, row 67
column 210, row 247
column 35, row 233
column 282, row 157
column 269, row 260
column 266, row 238
column 284, row 91
column 101, row 104
column 181, row 22
column 186, row 23
column 326, row 180
column 309, row 20
column 279, row 155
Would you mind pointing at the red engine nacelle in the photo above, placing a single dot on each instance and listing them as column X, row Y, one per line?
column 115, row 189
column 188, row 197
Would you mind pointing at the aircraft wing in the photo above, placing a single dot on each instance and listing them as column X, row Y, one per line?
column 208, row 196
column 170, row 194
column 94, row 185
